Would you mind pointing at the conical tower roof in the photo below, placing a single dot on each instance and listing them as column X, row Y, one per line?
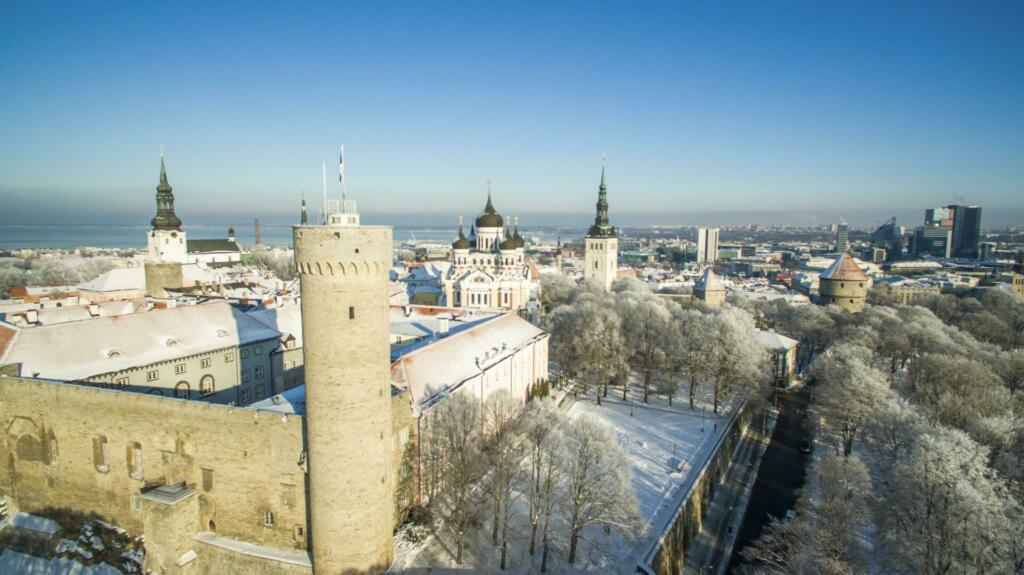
column 709, row 282
column 844, row 269
column 490, row 218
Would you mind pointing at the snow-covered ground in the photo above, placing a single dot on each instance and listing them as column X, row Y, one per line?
column 666, row 447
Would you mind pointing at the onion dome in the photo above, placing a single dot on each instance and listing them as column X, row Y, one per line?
column 461, row 243
column 490, row 218
column 520, row 242
column 508, row 244
column 165, row 218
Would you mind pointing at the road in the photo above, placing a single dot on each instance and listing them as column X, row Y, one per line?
column 780, row 475
column 712, row 546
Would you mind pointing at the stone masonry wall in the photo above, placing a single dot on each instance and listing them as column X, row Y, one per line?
column 72, row 447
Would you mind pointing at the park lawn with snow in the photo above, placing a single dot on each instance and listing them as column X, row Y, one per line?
column 666, row 447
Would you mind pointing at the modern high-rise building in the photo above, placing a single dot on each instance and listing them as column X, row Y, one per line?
column 601, row 255
column 934, row 241
column 842, row 237
column 707, row 245
column 964, row 223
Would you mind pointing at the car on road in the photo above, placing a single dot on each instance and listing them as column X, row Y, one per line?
column 805, row 445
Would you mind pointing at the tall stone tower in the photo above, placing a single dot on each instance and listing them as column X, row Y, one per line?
column 343, row 268
column 166, row 245
column 602, row 247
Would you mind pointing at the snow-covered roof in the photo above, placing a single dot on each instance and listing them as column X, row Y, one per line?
column 773, row 340
column 286, row 319
column 448, row 362
column 845, row 269
column 81, row 349
column 117, row 279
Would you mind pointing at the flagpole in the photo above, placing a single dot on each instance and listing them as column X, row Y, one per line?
column 323, row 168
column 341, row 173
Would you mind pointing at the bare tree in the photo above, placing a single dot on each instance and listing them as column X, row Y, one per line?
column 597, row 482
column 456, row 426
column 545, row 424
column 503, row 452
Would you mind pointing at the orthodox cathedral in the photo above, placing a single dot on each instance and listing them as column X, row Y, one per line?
column 488, row 267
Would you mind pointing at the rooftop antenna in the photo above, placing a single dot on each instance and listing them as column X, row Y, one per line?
column 341, row 172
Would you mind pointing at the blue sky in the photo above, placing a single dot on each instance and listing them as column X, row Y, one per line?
column 705, row 108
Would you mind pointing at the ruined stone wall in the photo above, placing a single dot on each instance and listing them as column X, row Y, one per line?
column 92, row 450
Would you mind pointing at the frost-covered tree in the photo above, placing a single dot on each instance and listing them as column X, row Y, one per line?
column 503, row 453
column 943, row 510
column 687, row 349
column 555, row 290
column 11, row 277
column 52, row 273
column 738, row 364
column 597, row 482
column 456, row 427
column 646, row 324
column 849, row 391
column 808, row 324
column 957, row 390
column 544, row 424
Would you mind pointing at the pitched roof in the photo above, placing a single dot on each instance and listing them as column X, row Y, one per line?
column 81, row 349
column 772, row 340
column 442, row 366
column 844, row 268
column 215, row 245
column 117, row 279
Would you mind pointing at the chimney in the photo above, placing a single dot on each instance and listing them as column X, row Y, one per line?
column 94, row 310
column 442, row 326
column 257, row 231
column 32, row 316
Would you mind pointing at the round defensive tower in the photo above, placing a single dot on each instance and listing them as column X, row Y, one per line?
column 844, row 284
column 344, row 278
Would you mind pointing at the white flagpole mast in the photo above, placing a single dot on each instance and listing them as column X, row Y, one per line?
column 323, row 167
column 341, row 173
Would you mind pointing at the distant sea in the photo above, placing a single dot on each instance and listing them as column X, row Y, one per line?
column 14, row 237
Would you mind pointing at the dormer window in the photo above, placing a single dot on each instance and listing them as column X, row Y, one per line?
column 222, row 333
column 113, row 353
column 171, row 342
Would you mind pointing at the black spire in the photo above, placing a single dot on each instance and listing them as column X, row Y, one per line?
column 601, row 227
column 490, row 218
column 165, row 218
column 461, row 242
column 304, row 219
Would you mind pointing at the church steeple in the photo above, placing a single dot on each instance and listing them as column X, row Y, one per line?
column 601, row 227
column 165, row 218
column 304, row 219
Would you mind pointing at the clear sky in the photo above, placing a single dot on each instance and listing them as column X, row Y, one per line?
column 714, row 107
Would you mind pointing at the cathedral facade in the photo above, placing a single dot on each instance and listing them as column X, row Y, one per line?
column 489, row 268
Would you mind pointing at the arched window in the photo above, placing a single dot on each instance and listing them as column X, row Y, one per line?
column 134, row 460
column 206, row 385
column 181, row 391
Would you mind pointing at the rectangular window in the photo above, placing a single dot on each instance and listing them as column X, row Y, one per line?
column 300, row 533
column 245, row 375
column 268, row 519
column 259, row 372
column 260, row 390
column 136, row 506
column 258, row 350
column 351, row 312
column 179, row 369
column 152, row 375
column 245, row 352
column 207, row 480
column 245, row 393
column 229, row 357
column 121, row 382
column 205, row 362
column 101, row 454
